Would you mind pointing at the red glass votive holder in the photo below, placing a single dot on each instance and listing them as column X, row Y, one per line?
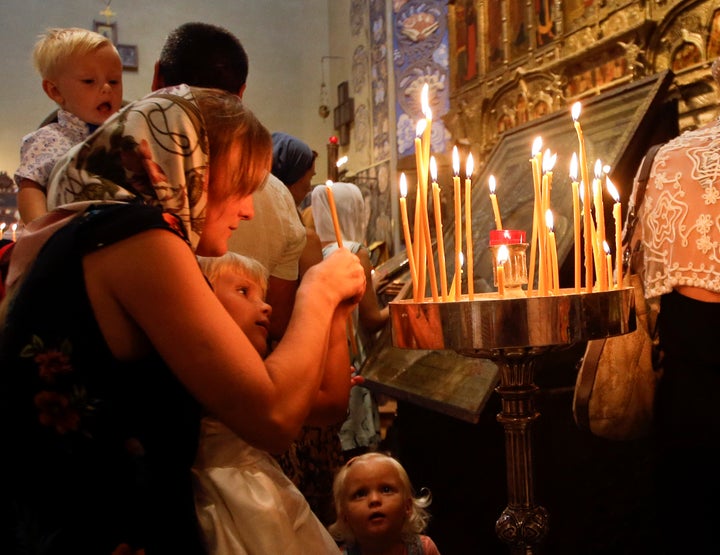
column 515, row 266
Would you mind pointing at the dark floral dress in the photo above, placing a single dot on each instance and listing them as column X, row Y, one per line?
column 97, row 453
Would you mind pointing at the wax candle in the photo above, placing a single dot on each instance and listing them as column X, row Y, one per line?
column 333, row 213
column 468, row 226
column 406, row 233
column 14, row 231
column 576, row 220
column 3, row 225
column 493, row 201
column 503, row 255
column 419, row 239
column 608, row 261
column 536, row 161
column 600, row 223
column 587, row 216
column 458, row 220
column 617, row 216
column 426, row 252
column 554, row 282
column 437, row 208
column 427, row 112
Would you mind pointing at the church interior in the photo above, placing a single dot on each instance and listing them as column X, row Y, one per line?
column 347, row 77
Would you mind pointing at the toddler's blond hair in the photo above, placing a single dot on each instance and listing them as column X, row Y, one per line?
column 57, row 45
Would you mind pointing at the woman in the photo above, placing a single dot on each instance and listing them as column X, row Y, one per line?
column 113, row 339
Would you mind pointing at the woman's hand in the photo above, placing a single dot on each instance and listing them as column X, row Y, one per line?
column 341, row 276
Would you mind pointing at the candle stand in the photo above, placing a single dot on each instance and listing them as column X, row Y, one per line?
column 514, row 333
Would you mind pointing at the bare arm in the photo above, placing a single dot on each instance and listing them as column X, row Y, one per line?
column 372, row 317
column 149, row 288
column 281, row 297
column 31, row 200
column 331, row 404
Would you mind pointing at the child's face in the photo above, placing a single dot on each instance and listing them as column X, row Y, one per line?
column 375, row 507
column 89, row 86
column 243, row 298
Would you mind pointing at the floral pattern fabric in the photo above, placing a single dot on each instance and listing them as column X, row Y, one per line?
column 43, row 147
column 98, row 452
column 154, row 150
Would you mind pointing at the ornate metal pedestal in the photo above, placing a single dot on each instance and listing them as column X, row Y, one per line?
column 514, row 332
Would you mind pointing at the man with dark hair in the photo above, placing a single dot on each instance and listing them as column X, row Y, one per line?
column 204, row 55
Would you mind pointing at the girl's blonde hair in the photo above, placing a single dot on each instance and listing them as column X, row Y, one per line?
column 416, row 522
column 213, row 267
column 57, row 45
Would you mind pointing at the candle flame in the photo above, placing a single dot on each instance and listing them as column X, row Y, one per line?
column 462, row 259
column 614, row 193
column 456, row 160
column 341, row 161
column 403, row 185
column 537, row 146
column 606, row 169
column 549, row 219
column 424, row 99
column 549, row 161
column 420, row 128
column 433, row 168
column 598, row 169
column 14, row 226
column 491, row 184
column 2, row 226
column 575, row 111
column 503, row 254
column 469, row 166
column 606, row 247
column 574, row 167
column 581, row 190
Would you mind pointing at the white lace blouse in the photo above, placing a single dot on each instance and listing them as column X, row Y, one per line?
column 681, row 214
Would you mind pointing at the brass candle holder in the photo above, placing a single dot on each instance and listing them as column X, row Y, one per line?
column 514, row 332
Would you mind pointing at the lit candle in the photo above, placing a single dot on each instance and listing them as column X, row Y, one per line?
column 333, row 212
column 600, row 223
column 503, row 255
column 548, row 163
column 576, row 220
column 617, row 216
column 418, row 228
column 458, row 221
column 536, row 161
column 493, row 201
column 608, row 260
column 408, row 241
column 427, row 135
column 587, row 217
column 468, row 225
column 438, row 229
column 14, row 231
column 2, row 229
column 552, row 248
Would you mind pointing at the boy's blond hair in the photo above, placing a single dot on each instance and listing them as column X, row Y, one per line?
column 233, row 263
column 57, row 45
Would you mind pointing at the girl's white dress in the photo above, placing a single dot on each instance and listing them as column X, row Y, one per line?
column 245, row 503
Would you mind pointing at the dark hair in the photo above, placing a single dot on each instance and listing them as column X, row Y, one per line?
column 203, row 55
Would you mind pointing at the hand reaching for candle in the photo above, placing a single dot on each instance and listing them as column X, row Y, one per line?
column 338, row 278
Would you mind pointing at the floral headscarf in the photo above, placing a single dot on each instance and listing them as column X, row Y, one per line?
column 154, row 151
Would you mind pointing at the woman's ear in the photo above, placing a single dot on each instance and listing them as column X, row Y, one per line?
column 52, row 91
